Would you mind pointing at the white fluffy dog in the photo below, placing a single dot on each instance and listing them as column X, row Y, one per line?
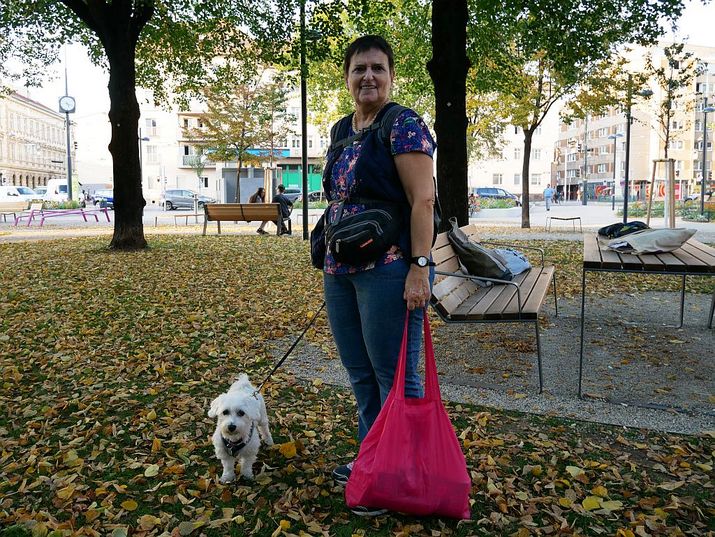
column 241, row 415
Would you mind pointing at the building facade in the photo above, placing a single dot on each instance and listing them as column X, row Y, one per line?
column 505, row 171
column 33, row 142
column 594, row 150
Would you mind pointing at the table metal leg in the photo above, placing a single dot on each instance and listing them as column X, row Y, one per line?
column 538, row 355
column 682, row 302
column 583, row 307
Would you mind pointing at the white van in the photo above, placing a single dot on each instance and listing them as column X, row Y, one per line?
column 57, row 190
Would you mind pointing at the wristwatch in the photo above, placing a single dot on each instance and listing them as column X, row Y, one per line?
column 421, row 261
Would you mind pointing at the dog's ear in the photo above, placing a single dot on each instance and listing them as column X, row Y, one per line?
column 252, row 409
column 215, row 404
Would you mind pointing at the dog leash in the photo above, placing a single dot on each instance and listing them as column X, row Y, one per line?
column 285, row 356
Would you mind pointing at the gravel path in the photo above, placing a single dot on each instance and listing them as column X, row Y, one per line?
column 663, row 376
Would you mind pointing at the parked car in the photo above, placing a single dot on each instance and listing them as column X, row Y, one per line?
column 696, row 196
column 40, row 191
column 184, row 199
column 293, row 193
column 498, row 193
column 27, row 193
column 104, row 196
column 316, row 195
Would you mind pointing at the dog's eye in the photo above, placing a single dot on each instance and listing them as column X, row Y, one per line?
column 241, row 413
column 225, row 412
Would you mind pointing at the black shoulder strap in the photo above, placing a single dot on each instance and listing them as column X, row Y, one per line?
column 384, row 126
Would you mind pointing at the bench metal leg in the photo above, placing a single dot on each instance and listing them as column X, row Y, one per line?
column 556, row 302
column 712, row 310
column 538, row 355
column 583, row 307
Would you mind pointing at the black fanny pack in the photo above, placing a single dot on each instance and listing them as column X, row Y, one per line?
column 359, row 238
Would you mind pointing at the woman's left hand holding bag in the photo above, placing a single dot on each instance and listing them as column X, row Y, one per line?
column 417, row 290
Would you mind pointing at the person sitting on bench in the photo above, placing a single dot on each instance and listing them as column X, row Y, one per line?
column 286, row 208
column 259, row 196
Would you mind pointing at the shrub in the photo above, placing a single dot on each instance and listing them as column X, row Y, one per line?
column 495, row 203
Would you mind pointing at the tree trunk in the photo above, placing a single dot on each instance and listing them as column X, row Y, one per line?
column 238, row 181
column 448, row 69
column 525, row 221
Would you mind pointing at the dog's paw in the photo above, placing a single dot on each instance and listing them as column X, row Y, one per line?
column 227, row 478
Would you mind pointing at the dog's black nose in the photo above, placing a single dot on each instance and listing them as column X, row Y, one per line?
column 232, row 427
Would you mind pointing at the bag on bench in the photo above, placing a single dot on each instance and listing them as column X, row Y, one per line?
column 477, row 260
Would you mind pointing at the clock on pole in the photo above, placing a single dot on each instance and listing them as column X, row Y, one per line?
column 67, row 104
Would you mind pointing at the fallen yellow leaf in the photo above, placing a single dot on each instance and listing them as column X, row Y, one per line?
column 129, row 505
column 151, row 415
column 288, row 450
column 600, row 490
column 565, row 502
column 574, row 470
column 591, row 502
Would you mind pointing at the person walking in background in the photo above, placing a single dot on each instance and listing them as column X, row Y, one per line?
column 259, row 196
column 548, row 196
column 367, row 302
column 286, row 208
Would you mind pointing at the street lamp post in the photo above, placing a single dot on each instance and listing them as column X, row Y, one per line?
column 629, row 120
column 614, row 137
column 703, row 180
column 141, row 165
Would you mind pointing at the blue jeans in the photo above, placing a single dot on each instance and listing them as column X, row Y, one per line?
column 366, row 313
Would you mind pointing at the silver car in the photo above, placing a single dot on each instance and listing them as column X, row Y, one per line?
column 184, row 199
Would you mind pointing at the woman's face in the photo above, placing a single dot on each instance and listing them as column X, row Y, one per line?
column 369, row 78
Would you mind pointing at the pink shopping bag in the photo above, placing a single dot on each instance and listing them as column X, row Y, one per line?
column 411, row 461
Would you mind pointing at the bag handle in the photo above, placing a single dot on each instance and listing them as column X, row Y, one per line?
column 432, row 392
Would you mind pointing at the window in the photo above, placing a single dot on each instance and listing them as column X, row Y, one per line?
column 602, row 168
column 538, row 130
column 572, row 157
column 496, row 178
column 517, row 153
column 204, row 181
column 676, row 125
column 295, row 142
column 152, row 154
column 150, row 125
column 535, row 178
column 310, row 142
column 200, row 122
column 536, row 154
column 186, row 122
column 517, row 178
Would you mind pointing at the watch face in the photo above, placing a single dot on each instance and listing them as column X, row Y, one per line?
column 67, row 103
column 422, row 261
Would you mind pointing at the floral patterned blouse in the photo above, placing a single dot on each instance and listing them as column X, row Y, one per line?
column 409, row 133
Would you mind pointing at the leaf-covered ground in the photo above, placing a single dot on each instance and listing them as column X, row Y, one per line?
column 109, row 362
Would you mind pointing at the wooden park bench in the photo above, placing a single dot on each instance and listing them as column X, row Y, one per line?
column 243, row 212
column 458, row 298
column 8, row 208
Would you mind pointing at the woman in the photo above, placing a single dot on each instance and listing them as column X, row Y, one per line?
column 366, row 304
column 259, row 196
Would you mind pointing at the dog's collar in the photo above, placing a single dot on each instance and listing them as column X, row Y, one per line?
column 234, row 447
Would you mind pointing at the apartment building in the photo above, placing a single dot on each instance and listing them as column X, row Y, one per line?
column 33, row 143
column 594, row 150
column 506, row 169
column 171, row 159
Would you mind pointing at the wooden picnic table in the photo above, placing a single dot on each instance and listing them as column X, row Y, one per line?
column 692, row 259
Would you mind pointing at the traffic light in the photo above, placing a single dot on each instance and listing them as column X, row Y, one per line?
column 75, row 146
column 579, row 147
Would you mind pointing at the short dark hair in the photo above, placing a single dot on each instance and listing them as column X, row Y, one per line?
column 281, row 188
column 365, row 43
